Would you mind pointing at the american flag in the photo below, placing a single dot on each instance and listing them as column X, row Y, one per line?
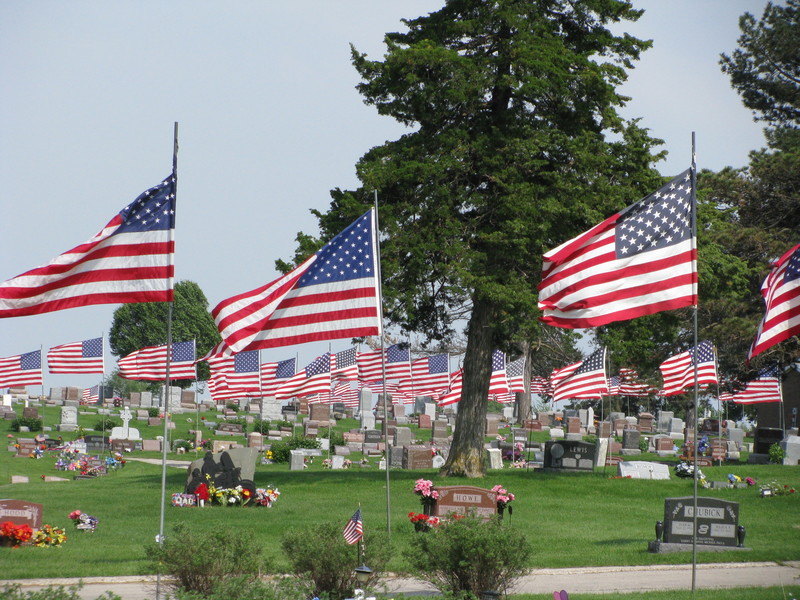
column 541, row 385
column 77, row 357
column 130, row 260
column 398, row 365
column 678, row 371
column 22, row 369
column 583, row 379
column 498, row 383
column 613, row 385
column 629, row 384
column 343, row 365
column 378, row 388
column 453, row 395
column 91, row 394
column 515, row 372
column 275, row 374
column 638, row 262
column 429, row 375
column 332, row 295
column 240, row 373
column 781, row 291
column 150, row 364
column 314, row 379
column 354, row 530
column 725, row 397
column 345, row 392
column 766, row 387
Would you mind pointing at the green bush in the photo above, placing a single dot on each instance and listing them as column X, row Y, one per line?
column 153, row 412
column 238, row 421
column 261, row 427
column 246, row 588
column 776, row 454
column 200, row 559
column 29, row 422
column 281, row 450
column 106, row 424
column 232, row 406
column 468, row 556
column 53, row 592
column 185, row 444
column 318, row 553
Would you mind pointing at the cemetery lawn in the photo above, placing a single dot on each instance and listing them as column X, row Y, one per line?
column 786, row 593
column 571, row 520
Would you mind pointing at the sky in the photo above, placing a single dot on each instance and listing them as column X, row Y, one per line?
column 269, row 122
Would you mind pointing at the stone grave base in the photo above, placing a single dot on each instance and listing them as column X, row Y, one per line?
column 665, row 548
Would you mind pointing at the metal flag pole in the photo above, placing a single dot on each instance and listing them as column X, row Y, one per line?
column 386, row 452
column 694, row 425
column 165, row 396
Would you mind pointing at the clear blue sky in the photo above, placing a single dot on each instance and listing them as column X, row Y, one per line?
column 269, row 123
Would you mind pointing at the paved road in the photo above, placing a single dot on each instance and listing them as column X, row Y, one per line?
column 541, row 581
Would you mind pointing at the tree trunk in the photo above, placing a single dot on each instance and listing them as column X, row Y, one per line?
column 466, row 458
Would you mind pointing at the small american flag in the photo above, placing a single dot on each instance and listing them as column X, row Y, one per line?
column 274, row 375
column 515, row 372
column 332, row 295
column 150, row 364
column 91, row 394
column 583, row 379
column 77, row 357
column 236, row 376
column 781, row 291
column 314, row 379
column 766, row 387
column 453, row 395
column 398, row 365
column 22, row 369
column 430, row 375
column 343, row 365
column 354, row 530
column 641, row 261
column 498, row 383
column 678, row 370
column 130, row 260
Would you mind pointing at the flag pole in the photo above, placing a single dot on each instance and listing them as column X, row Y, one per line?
column 386, row 452
column 165, row 398
column 694, row 426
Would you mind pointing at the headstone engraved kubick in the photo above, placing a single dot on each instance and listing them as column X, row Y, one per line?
column 465, row 499
column 717, row 525
column 568, row 455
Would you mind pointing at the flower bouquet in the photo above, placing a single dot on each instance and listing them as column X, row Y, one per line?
column 423, row 522
column 83, row 521
column 504, row 499
column 49, row 537
column 773, row 488
column 427, row 493
column 12, row 534
column 686, row 471
column 266, row 497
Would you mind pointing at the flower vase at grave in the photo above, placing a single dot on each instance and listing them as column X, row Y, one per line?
column 740, row 535
column 500, row 510
column 427, row 508
column 659, row 530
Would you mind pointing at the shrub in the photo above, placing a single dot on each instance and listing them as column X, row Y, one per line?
column 261, row 427
column 776, row 454
column 53, row 592
column 232, row 406
column 106, row 424
column 153, row 412
column 200, row 559
column 185, row 444
column 469, row 556
column 318, row 553
column 246, row 588
column 29, row 422
column 238, row 421
column 281, row 450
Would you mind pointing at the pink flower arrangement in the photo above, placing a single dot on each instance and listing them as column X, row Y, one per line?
column 503, row 496
column 424, row 488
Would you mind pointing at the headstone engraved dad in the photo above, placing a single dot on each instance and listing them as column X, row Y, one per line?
column 21, row 512
column 465, row 499
column 717, row 522
column 569, row 455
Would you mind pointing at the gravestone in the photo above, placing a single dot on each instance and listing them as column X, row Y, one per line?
column 255, row 440
column 403, row 436
column 424, row 421
column 465, row 499
column 640, row 469
column 791, row 450
column 69, row 419
column 296, row 460
column 568, row 455
column 320, row 413
column 765, row 437
column 645, row 422
column 151, row 445
column 373, row 436
column 604, row 429
column 270, row 409
column 125, row 432
column 96, row 443
column 430, row 410
column 601, row 452
column 492, row 425
column 630, row 442
column 737, row 436
column 365, row 402
column 396, row 456
column 439, row 431
column 717, row 521
column 417, row 457
column 30, row 412
column 26, row 448
column 21, row 512
column 574, row 425
column 556, row 433
column 437, row 461
column 495, row 458
column 337, row 462
column 229, row 429
column 664, row 421
column 341, row 450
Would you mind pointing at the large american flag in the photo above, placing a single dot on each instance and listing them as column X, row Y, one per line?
column 150, row 364
column 77, row 357
column 583, row 379
column 275, row 374
column 541, row 385
column 638, row 262
column 241, row 374
column 91, row 394
column 630, row 385
column 429, row 375
column 332, row 295
column 344, row 366
column 22, row 369
column 130, row 260
column 498, row 383
column 766, row 387
column 515, row 372
column 453, row 395
column 781, row 291
column 678, row 371
column 398, row 363
column 314, row 379
column 354, row 530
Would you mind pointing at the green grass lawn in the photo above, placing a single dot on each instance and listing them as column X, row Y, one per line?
column 569, row 519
